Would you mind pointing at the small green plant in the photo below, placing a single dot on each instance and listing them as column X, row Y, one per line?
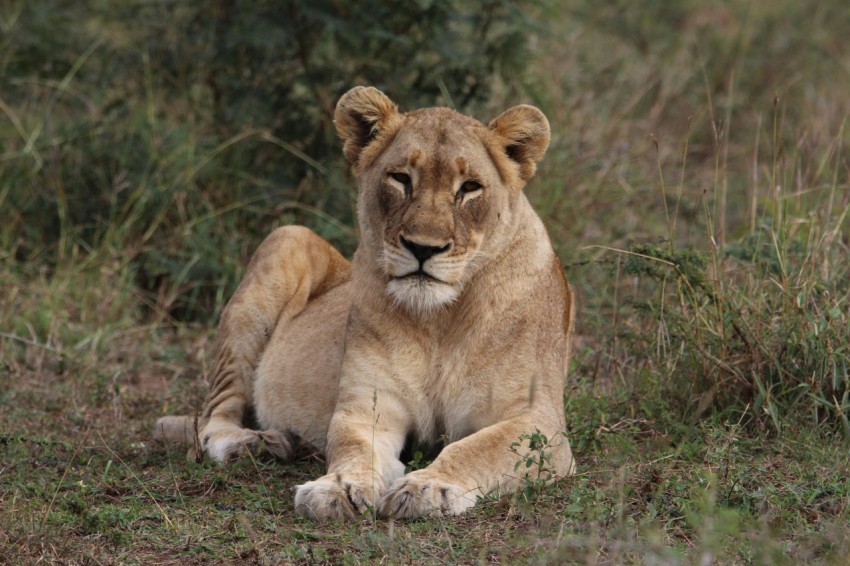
column 534, row 463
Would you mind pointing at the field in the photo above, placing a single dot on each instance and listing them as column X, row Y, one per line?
column 697, row 190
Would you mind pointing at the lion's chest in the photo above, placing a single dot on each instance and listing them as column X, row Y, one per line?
column 464, row 389
column 476, row 371
column 453, row 406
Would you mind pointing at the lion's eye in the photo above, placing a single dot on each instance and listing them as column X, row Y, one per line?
column 404, row 180
column 466, row 188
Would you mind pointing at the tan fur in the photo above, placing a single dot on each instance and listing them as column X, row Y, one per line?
column 454, row 322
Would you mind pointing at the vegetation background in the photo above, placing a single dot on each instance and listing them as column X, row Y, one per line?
column 696, row 189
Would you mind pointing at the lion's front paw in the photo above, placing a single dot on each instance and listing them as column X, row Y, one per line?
column 335, row 496
column 423, row 493
column 226, row 444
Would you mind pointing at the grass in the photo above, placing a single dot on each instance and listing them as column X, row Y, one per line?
column 696, row 189
column 80, row 482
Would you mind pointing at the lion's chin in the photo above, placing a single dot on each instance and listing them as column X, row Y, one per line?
column 421, row 294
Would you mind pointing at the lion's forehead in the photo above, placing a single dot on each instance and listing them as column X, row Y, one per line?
column 435, row 118
column 442, row 142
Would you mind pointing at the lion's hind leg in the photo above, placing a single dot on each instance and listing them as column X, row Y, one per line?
column 291, row 267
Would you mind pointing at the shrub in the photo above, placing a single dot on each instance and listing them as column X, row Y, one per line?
column 177, row 134
column 773, row 343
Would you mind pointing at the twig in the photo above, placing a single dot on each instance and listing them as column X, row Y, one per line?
column 29, row 342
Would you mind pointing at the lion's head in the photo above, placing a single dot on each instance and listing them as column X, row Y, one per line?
column 438, row 191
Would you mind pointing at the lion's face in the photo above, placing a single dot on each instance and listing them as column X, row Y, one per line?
column 437, row 190
column 435, row 194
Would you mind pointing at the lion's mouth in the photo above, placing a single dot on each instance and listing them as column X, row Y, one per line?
column 420, row 291
column 419, row 275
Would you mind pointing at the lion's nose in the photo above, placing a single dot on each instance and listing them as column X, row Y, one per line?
column 423, row 252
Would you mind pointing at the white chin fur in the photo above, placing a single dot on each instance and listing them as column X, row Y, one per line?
column 421, row 296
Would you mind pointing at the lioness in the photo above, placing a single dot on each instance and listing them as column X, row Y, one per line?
column 452, row 322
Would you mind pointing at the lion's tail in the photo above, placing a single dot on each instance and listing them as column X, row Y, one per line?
column 291, row 267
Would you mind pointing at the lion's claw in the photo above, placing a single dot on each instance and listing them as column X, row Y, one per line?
column 419, row 493
column 231, row 443
column 335, row 497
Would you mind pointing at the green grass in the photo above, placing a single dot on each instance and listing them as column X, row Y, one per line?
column 697, row 189
column 82, row 481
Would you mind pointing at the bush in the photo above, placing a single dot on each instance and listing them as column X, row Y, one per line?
column 178, row 134
column 774, row 348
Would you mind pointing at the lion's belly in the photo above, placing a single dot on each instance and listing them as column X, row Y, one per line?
column 298, row 376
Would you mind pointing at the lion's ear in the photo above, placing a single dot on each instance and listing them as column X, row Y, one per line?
column 525, row 132
column 361, row 115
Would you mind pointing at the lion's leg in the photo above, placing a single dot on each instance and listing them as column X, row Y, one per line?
column 297, row 381
column 292, row 266
column 477, row 465
column 365, row 439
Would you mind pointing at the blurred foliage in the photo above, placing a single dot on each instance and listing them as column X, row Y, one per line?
column 179, row 133
column 150, row 145
column 774, row 346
